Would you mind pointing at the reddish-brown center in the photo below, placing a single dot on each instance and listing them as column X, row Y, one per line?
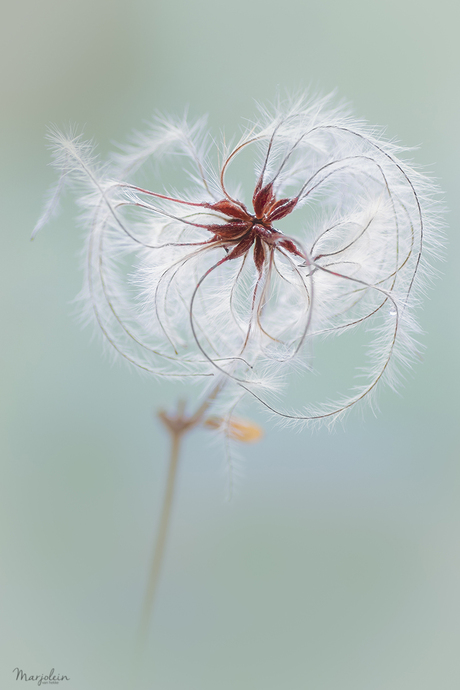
column 242, row 230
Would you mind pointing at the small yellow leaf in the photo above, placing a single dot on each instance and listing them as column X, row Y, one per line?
column 236, row 428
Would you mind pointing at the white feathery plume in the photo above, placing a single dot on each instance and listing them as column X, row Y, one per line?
column 243, row 292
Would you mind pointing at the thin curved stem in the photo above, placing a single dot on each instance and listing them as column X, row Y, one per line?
column 177, row 425
column 157, row 559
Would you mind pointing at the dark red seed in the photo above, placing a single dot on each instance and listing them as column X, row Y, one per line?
column 230, row 231
column 259, row 254
column 281, row 209
column 264, row 233
column 242, row 247
column 229, row 208
column 262, row 199
column 290, row 246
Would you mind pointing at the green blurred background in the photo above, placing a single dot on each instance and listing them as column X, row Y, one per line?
column 337, row 564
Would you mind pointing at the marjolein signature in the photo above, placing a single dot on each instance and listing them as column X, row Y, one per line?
column 50, row 678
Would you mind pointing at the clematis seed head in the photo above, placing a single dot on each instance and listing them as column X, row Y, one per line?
column 243, row 289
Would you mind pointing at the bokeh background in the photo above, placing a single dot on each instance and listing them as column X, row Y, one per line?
column 337, row 563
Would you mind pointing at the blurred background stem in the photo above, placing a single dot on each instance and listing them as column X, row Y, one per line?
column 177, row 425
column 176, row 439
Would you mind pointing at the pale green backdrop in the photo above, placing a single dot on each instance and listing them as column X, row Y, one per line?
column 337, row 564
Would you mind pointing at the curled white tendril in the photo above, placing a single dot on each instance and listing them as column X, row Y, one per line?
column 235, row 289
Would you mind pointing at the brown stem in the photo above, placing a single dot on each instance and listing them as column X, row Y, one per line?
column 162, row 534
column 177, row 425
